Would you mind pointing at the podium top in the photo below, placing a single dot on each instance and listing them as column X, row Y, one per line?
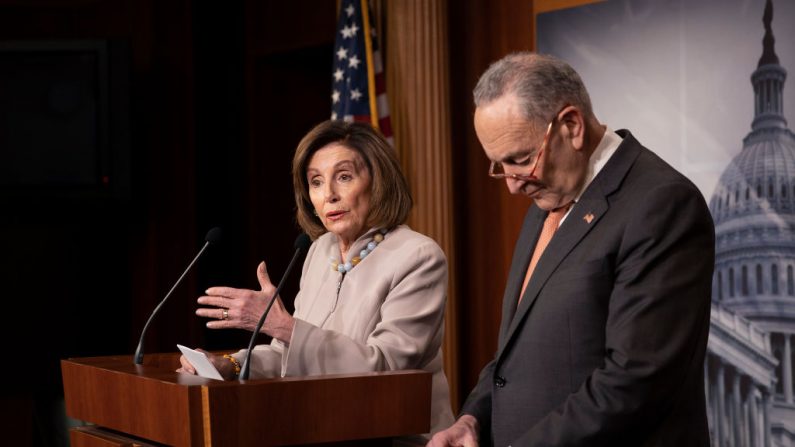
column 154, row 402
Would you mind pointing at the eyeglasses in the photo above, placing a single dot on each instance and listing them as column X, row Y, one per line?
column 497, row 170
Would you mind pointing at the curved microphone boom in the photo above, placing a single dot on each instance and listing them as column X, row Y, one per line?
column 212, row 237
column 302, row 242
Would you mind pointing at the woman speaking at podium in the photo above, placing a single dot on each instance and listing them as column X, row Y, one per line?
column 372, row 291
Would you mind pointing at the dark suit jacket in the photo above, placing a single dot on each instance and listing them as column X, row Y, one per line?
column 607, row 346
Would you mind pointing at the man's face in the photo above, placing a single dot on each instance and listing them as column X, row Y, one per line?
column 509, row 138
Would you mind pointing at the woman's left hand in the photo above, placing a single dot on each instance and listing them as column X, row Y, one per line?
column 242, row 308
column 224, row 367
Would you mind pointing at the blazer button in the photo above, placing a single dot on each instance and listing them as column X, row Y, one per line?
column 499, row 381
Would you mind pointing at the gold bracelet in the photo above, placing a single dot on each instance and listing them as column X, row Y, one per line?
column 234, row 362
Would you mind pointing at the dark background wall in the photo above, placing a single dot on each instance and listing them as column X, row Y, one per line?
column 219, row 95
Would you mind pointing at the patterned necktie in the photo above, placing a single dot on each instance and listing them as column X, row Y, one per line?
column 551, row 224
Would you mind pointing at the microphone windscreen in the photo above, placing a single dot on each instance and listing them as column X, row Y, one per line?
column 213, row 236
column 302, row 242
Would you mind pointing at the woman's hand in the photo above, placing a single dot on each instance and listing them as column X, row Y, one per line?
column 242, row 308
column 224, row 366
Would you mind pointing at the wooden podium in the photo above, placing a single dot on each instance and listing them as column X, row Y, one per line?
column 151, row 404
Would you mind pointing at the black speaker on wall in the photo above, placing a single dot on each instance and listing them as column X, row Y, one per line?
column 65, row 119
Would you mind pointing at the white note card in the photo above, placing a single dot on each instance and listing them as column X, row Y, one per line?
column 201, row 363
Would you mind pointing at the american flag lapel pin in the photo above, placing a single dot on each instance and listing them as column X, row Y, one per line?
column 588, row 217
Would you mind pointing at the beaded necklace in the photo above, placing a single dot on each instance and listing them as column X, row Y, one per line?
column 346, row 267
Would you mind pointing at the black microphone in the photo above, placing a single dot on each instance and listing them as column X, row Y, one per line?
column 302, row 242
column 213, row 236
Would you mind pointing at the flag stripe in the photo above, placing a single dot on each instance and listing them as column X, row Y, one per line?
column 368, row 45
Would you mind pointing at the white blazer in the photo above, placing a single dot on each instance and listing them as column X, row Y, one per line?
column 387, row 314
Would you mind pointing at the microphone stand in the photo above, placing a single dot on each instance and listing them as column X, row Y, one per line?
column 212, row 236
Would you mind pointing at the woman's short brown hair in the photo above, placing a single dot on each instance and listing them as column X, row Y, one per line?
column 390, row 198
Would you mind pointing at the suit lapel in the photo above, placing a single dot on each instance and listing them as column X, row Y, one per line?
column 533, row 221
column 570, row 233
column 584, row 216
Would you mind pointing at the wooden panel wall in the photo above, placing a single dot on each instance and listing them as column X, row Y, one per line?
column 487, row 218
column 418, row 73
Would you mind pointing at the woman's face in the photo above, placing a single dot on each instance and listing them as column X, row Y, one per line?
column 339, row 187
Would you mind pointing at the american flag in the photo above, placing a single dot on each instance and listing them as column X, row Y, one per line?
column 358, row 84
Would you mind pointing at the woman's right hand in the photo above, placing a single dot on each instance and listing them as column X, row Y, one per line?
column 242, row 308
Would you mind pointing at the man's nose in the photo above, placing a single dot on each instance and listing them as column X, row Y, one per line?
column 514, row 186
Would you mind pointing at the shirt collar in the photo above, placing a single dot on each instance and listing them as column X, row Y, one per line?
column 604, row 150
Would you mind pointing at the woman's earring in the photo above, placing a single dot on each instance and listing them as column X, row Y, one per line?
column 315, row 211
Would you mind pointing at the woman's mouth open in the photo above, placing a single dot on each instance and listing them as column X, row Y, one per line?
column 335, row 215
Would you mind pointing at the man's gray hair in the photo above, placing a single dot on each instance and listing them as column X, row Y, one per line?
column 543, row 84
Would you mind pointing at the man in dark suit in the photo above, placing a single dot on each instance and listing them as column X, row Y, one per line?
column 606, row 311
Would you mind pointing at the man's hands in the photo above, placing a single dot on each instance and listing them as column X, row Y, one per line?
column 464, row 433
